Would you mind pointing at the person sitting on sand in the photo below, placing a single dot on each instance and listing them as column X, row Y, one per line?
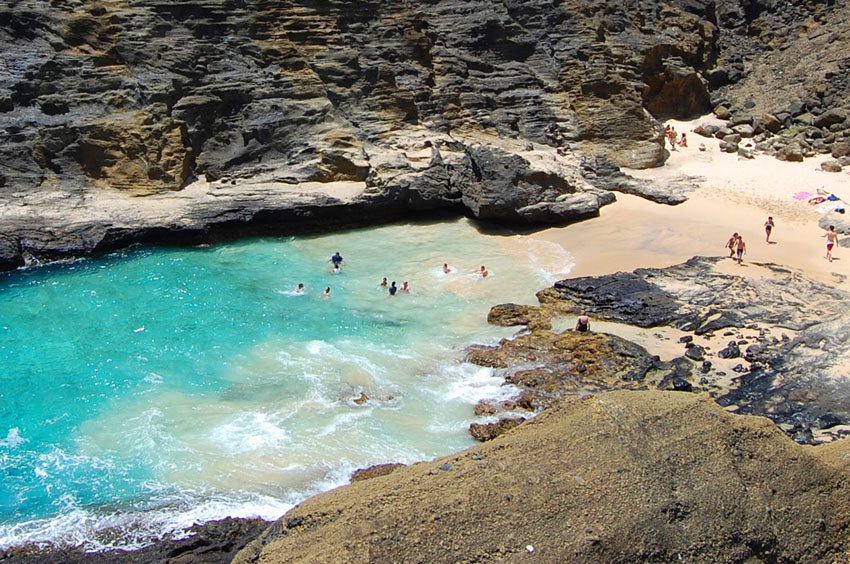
column 582, row 323
column 683, row 142
column 393, row 288
column 483, row 271
column 831, row 240
column 740, row 249
column 405, row 287
column 383, row 283
column 299, row 289
column 768, row 228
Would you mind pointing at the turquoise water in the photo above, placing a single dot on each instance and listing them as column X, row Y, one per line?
column 155, row 388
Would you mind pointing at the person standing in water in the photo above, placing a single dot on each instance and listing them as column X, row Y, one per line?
column 483, row 271
column 768, row 228
column 740, row 249
column 383, row 283
column 327, row 293
column 405, row 287
column 446, row 268
column 831, row 240
column 393, row 288
column 337, row 260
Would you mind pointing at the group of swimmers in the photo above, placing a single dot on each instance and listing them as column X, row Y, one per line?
column 337, row 262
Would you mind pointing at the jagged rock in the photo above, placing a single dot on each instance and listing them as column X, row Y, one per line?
column 840, row 149
column 828, row 118
column 508, row 315
column 695, row 297
column 489, row 431
column 695, row 352
column 731, row 351
column 375, row 471
column 831, row 166
column 791, row 152
column 484, row 408
column 770, row 122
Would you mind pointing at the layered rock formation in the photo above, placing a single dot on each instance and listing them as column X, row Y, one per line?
column 110, row 109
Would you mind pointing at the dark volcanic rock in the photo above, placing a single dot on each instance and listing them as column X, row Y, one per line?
column 215, row 542
column 792, row 380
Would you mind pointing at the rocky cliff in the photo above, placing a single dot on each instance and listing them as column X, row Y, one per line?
column 316, row 113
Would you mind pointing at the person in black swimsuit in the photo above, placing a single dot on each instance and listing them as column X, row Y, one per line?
column 393, row 288
column 583, row 323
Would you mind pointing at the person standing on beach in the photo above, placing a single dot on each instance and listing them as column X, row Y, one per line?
column 768, row 228
column 731, row 243
column 831, row 240
column 740, row 249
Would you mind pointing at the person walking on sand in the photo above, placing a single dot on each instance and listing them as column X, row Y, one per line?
column 731, row 243
column 740, row 249
column 831, row 240
column 768, row 228
column 670, row 132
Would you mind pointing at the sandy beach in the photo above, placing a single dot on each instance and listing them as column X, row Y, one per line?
column 735, row 194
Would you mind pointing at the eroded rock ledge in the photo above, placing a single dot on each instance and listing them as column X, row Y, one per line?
column 800, row 381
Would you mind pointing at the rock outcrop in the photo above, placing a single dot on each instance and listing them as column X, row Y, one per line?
column 794, row 380
column 619, row 477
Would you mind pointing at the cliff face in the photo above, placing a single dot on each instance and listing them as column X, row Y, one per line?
column 419, row 105
column 140, row 95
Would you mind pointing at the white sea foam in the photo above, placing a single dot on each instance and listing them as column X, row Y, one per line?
column 248, row 432
column 13, row 439
column 102, row 529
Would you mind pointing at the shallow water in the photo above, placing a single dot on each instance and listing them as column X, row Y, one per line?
column 154, row 388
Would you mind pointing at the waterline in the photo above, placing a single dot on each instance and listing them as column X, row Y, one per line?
column 153, row 388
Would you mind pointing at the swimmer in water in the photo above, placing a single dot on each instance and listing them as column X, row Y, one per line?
column 299, row 289
column 336, row 269
column 393, row 288
column 446, row 268
column 327, row 292
column 383, row 283
column 405, row 287
column 337, row 259
column 483, row 271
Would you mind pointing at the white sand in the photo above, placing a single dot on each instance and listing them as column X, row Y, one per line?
column 736, row 195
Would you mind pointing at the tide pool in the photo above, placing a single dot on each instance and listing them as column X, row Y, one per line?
column 154, row 388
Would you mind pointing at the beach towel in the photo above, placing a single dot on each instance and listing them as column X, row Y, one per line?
column 817, row 200
column 803, row 195
column 827, row 207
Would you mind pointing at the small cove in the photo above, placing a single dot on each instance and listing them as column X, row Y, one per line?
column 153, row 388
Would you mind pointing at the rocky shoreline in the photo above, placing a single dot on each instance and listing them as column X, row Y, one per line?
column 747, row 321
